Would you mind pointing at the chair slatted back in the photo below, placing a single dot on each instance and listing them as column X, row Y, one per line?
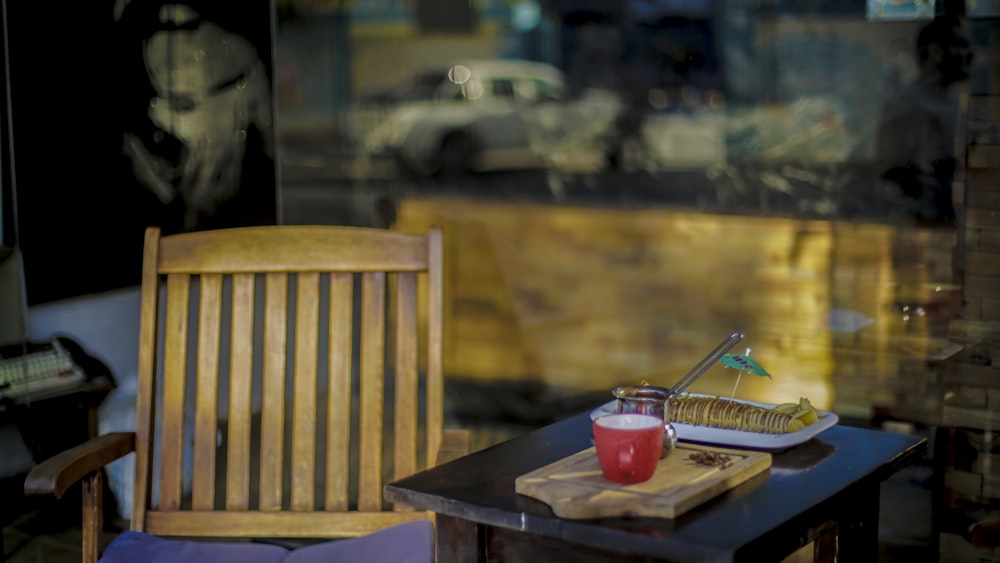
column 292, row 339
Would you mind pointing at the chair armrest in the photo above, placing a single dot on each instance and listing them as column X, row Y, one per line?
column 454, row 444
column 54, row 476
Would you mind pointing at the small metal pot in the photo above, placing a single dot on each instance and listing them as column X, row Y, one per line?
column 648, row 399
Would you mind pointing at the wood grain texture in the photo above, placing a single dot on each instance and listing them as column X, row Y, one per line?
column 54, row 476
column 338, row 444
column 93, row 516
column 279, row 302
column 304, row 389
column 174, row 383
column 240, row 394
column 372, row 391
column 316, row 248
column 587, row 298
column 145, row 409
column 272, row 438
column 574, row 487
column 206, row 414
column 406, row 384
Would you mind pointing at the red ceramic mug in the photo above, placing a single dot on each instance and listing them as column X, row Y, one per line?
column 628, row 446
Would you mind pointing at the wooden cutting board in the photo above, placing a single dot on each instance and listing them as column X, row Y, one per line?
column 575, row 488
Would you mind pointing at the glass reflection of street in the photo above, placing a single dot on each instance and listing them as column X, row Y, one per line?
column 566, row 298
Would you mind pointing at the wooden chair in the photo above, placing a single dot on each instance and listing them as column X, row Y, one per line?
column 261, row 320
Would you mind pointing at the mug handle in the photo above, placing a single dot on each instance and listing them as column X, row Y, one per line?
column 626, row 457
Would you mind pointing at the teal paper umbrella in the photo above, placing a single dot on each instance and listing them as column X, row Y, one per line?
column 744, row 363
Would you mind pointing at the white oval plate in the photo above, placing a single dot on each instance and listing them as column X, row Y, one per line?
column 740, row 438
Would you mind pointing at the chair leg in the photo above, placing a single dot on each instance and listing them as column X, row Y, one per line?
column 825, row 546
column 93, row 516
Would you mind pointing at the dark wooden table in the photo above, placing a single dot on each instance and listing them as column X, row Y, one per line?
column 825, row 490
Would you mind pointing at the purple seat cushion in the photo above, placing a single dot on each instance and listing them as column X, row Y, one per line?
column 412, row 542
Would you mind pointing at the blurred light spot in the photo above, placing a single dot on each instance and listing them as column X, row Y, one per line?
column 716, row 100
column 459, row 74
column 473, row 90
column 658, row 98
column 525, row 16
column 844, row 320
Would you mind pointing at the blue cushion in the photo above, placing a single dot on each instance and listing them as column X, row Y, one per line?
column 412, row 542
column 132, row 547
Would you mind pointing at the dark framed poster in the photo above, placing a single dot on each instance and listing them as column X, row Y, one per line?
column 132, row 113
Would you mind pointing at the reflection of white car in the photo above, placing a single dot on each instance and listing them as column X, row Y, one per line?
column 480, row 115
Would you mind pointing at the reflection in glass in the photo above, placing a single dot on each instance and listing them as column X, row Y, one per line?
column 623, row 182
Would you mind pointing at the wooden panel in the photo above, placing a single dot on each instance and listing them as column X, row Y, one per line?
column 974, row 332
column 955, row 548
column 405, row 414
column 206, row 414
column 372, row 392
column 969, row 417
column 970, row 375
column 146, row 381
column 985, row 179
column 275, row 524
column 983, row 107
column 982, row 219
column 982, row 199
column 980, row 286
column 200, row 254
column 240, row 393
column 583, row 298
column 983, row 240
column 174, row 375
column 272, row 427
column 983, row 156
column 964, row 483
column 92, row 523
column 304, row 400
column 574, row 487
column 338, row 429
column 982, row 308
column 315, row 248
column 435, row 344
column 981, row 264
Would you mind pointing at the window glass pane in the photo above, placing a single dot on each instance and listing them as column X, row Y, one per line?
column 673, row 170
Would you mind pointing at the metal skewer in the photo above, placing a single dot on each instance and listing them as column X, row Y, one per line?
column 706, row 362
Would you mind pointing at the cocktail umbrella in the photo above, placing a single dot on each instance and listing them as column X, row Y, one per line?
column 743, row 362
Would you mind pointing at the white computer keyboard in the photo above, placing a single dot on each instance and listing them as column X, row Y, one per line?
column 31, row 368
